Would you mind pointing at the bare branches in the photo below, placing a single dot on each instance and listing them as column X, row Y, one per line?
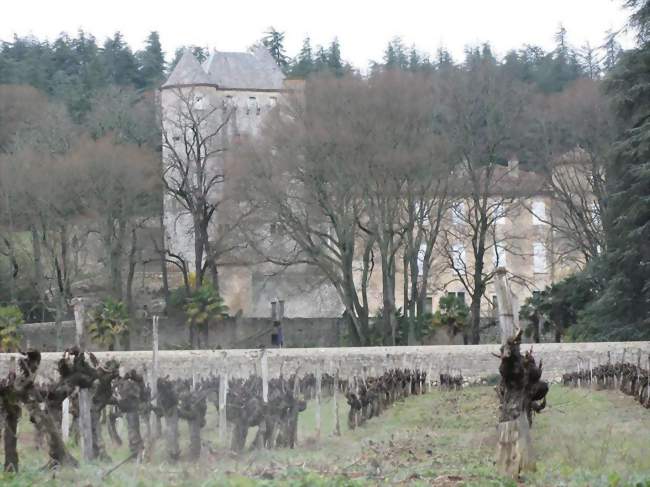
column 195, row 142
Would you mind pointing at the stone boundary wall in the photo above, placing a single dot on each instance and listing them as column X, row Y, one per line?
column 476, row 362
column 232, row 332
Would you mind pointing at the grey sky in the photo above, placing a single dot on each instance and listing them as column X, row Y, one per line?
column 363, row 27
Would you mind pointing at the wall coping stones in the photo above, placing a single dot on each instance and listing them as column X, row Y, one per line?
column 476, row 362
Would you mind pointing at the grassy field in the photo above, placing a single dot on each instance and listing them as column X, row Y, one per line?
column 443, row 438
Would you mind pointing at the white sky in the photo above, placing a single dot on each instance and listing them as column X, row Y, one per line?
column 363, row 27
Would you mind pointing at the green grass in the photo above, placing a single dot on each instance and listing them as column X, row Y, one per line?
column 442, row 438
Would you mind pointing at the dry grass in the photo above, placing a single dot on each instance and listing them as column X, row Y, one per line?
column 443, row 438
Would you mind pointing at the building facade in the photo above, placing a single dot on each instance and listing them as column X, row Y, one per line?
column 238, row 90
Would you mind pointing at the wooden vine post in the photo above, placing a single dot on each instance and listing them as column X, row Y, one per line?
column 521, row 392
column 157, row 424
column 335, row 402
column 648, row 382
column 85, row 399
column 318, row 400
column 65, row 419
column 264, row 365
column 223, row 396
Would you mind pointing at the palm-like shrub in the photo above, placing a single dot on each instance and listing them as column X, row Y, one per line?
column 109, row 323
column 10, row 320
column 203, row 307
column 452, row 313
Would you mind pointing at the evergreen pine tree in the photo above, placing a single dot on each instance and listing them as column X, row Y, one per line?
column 321, row 60
column 152, row 62
column 273, row 40
column 334, row 61
column 443, row 58
column 119, row 61
column 559, row 68
column 612, row 51
column 589, row 61
column 199, row 52
column 395, row 55
column 304, row 64
column 415, row 60
column 622, row 310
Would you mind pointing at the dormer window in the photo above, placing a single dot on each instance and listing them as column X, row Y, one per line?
column 228, row 102
column 252, row 106
column 200, row 102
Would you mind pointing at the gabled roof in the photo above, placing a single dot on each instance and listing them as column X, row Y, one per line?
column 255, row 70
column 187, row 71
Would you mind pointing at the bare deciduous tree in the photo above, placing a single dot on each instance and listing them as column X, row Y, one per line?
column 118, row 182
column 337, row 168
column 482, row 113
column 194, row 146
column 304, row 171
column 576, row 130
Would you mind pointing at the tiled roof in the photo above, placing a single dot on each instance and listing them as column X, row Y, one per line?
column 188, row 71
column 255, row 70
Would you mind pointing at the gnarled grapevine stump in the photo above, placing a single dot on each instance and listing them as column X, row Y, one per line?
column 521, row 392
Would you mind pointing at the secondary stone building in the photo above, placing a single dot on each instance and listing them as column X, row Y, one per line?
column 247, row 86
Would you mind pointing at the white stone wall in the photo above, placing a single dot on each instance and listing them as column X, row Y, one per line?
column 474, row 361
column 246, row 110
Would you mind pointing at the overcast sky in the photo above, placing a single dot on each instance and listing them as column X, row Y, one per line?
column 363, row 26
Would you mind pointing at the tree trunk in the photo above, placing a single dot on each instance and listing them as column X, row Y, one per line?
column 58, row 453
column 112, row 426
column 131, row 272
column 239, row 433
column 12, row 414
column 409, row 302
column 38, row 268
column 65, row 259
column 515, row 453
column 205, row 331
column 171, row 423
column 193, row 335
column 520, row 392
column 388, row 285
column 163, row 260
column 195, row 439
column 60, row 309
column 11, row 253
column 136, row 444
column 198, row 254
column 475, row 317
column 129, row 286
column 99, row 450
column 114, row 242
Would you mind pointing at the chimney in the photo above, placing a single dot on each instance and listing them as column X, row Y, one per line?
column 513, row 167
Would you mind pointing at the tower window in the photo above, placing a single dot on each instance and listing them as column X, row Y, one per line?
column 539, row 212
column 539, row 258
